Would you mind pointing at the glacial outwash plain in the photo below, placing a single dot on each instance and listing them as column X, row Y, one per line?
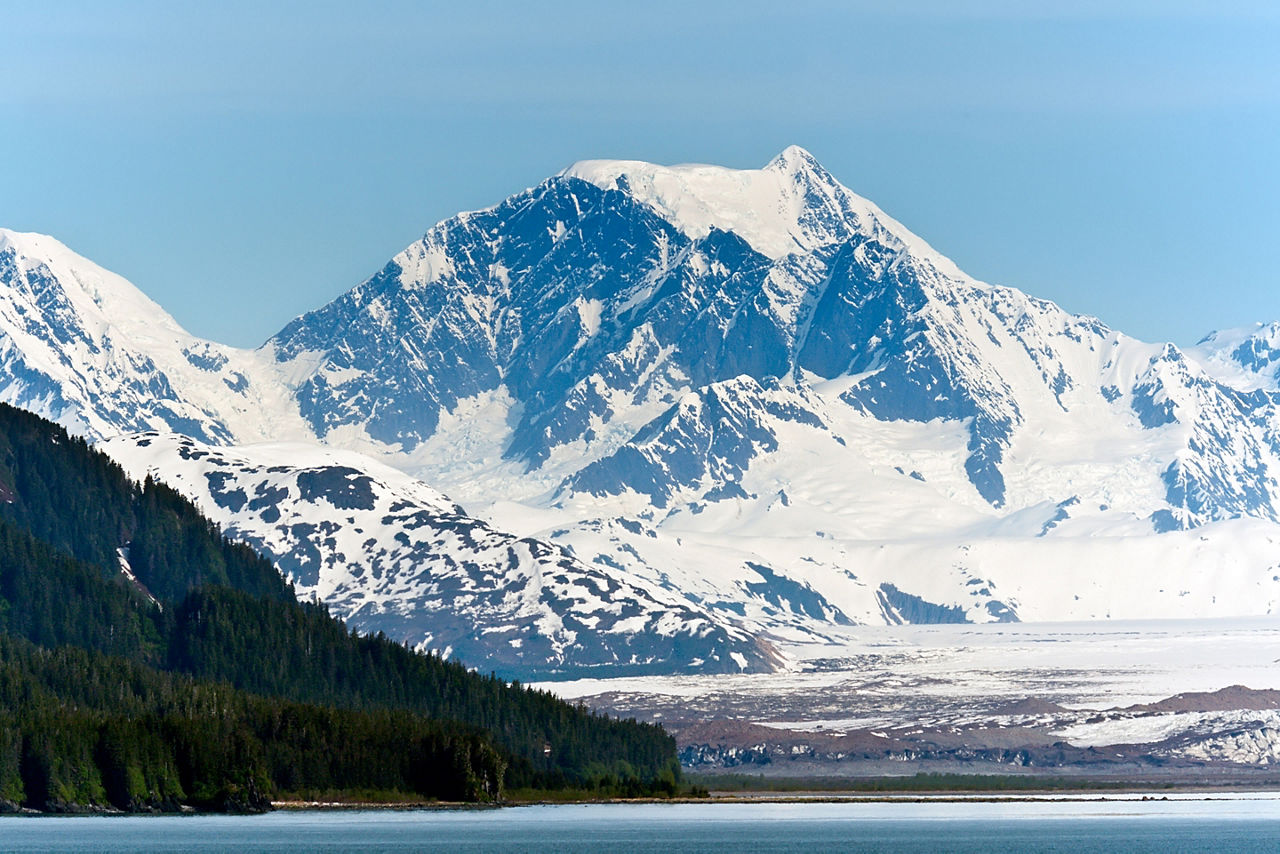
column 737, row 453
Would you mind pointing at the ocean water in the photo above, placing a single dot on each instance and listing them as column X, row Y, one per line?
column 1079, row 827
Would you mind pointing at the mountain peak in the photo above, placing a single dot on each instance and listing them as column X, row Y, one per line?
column 790, row 205
column 99, row 296
column 793, row 159
column 93, row 352
column 1246, row 357
column 32, row 244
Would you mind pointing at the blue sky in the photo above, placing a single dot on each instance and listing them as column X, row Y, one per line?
column 243, row 165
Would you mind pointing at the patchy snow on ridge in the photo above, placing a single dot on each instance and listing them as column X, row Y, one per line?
column 388, row 553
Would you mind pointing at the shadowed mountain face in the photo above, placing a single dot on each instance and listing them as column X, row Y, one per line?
column 658, row 381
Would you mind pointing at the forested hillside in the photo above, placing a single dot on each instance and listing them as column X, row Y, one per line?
column 149, row 662
column 79, row 501
column 79, row 729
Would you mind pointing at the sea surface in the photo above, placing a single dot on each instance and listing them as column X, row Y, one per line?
column 1240, row 824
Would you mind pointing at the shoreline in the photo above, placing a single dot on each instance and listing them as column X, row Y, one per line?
column 1134, row 795
column 717, row 799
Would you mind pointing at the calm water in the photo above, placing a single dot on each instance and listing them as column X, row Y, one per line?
column 1223, row 827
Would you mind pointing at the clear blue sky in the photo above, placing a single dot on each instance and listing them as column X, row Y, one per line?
column 243, row 164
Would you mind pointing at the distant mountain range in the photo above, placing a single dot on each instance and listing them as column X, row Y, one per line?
column 694, row 414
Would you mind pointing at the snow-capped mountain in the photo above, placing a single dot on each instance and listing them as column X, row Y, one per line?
column 589, row 305
column 748, row 400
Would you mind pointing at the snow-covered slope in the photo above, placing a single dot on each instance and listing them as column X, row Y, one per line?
column 1246, row 358
column 84, row 347
column 749, row 394
column 389, row 554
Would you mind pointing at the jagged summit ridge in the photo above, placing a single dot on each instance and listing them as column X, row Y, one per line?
column 791, row 205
